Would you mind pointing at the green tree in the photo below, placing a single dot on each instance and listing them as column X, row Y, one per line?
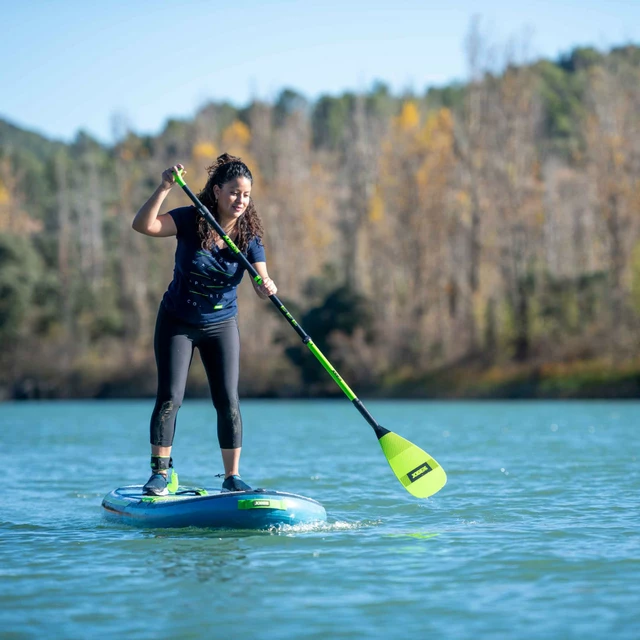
column 342, row 311
column 20, row 271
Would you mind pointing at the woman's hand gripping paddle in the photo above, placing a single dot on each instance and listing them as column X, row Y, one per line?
column 416, row 470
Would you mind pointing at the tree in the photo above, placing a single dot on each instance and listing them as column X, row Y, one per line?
column 20, row 271
column 612, row 135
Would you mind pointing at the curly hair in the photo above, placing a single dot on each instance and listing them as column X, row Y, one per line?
column 249, row 225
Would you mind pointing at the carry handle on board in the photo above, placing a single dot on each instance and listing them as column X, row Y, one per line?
column 418, row 472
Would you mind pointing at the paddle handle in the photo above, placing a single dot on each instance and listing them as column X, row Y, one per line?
column 304, row 336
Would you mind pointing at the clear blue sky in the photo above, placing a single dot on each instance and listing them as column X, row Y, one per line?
column 72, row 64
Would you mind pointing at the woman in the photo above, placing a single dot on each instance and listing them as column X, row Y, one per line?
column 199, row 309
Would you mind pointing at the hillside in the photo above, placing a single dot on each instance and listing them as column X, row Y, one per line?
column 476, row 240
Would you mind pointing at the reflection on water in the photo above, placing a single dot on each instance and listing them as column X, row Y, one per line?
column 216, row 559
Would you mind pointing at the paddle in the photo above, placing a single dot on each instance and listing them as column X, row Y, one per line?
column 418, row 472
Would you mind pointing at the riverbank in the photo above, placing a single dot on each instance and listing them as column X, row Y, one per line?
column 597, row 379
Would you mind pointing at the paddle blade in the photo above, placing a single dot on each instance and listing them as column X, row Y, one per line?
column 418, row 472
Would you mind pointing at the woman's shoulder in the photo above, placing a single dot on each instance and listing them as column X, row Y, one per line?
column 183, row 212
column 255, row 250
column 184, row 217
column 256, row 241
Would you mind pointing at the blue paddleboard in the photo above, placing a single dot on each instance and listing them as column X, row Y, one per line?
column 211, row 508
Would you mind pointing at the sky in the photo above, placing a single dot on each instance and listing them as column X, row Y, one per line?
column 70, row 65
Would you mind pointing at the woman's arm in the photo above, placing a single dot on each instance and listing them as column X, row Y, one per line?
column 268, row 286
column 147, row 220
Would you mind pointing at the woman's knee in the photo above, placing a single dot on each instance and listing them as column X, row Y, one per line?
column 226, row 404
column 169, row 407
column 164, row 414
column 169, row 399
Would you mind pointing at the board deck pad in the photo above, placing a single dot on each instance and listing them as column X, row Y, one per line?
column 211, row 508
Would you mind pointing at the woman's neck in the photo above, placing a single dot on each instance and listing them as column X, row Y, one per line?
column 228, row 225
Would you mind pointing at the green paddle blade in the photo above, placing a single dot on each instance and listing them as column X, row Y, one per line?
column 418, row 472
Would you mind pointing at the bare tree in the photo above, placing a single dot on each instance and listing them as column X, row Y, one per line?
column 471, row 148
column 613, row 158
column 360, row 174
column 513, row 118
column 64, row 235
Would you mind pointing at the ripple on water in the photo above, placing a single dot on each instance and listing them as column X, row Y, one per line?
column 534, row 536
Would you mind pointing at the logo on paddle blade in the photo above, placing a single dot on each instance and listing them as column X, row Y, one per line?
column 418, row 472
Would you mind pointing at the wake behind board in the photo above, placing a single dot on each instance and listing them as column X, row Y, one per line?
column 211, row 508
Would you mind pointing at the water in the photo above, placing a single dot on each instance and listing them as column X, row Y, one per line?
column 534, row 536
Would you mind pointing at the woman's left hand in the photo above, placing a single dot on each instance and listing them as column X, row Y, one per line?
column 267, row 288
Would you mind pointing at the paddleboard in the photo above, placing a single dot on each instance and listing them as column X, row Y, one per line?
column 211, row 508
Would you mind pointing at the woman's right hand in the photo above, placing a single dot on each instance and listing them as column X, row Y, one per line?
column 168, row 177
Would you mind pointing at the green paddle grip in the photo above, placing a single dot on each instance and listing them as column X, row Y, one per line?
column 178, row 177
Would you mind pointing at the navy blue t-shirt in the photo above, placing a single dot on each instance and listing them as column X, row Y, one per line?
column 203, row 289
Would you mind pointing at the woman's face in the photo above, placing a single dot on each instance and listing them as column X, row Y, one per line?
column 233, row 197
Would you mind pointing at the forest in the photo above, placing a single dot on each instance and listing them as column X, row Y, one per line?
column 477, row 240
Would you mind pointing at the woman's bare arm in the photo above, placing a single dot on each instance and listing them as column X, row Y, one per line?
column 147, row 220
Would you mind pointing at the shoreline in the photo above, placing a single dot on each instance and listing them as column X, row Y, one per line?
column 580, row 380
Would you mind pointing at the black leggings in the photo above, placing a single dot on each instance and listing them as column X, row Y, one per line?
column 219, row 346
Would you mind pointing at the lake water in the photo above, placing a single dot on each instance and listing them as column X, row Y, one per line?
column 536, row 534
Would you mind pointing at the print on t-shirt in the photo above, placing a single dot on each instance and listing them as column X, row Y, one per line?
column 203, row 289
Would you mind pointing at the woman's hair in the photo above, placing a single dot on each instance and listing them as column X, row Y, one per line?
column 249, row 225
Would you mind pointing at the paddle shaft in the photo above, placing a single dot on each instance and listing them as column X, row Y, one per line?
column 304, row 336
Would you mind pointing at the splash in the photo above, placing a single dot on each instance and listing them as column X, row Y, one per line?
column 322, row 527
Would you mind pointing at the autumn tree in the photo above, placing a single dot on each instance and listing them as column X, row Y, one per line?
column 612, row 127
